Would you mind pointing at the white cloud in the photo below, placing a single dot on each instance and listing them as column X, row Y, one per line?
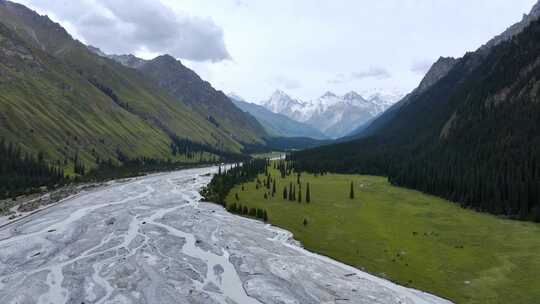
column 308, row 44
column 373, row 72
column 128, row 26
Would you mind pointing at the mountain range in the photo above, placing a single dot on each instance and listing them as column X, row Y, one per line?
column 277, row 124
column 335, row 116
column 470, row 132
column 73, row 102
column 186, row 86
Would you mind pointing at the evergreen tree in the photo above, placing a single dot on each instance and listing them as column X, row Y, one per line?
column 274, row 188
column 285, row 196
column 300, row 193
column 290, row 192
column 268, row 182
column 351, row 194
column 308, row 194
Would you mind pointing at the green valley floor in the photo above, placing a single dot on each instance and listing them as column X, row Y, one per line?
column 408, row 237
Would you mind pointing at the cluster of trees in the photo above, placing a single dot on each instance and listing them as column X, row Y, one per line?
column 125, row 166
column 183, row 146
column 222, row 183
column 22, row 172
column 78, row 165
column 110, row 92
column 252, row 212
column 284, row 169
column 269, row 183
column 292, row 195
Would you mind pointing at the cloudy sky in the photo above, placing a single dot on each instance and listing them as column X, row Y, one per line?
column 305, row 47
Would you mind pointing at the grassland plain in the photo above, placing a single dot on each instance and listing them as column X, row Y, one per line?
column 408, row 237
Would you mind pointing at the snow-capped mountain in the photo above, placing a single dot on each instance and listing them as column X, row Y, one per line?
column 282, row 103
column 277, row 124
column 334, row 115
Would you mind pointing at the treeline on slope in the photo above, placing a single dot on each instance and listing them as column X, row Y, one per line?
column 473, row 138
column 226, row 179
column 125, row 167
column 110, row 92
column 183, row 146
column 284, row 144
column 22, row 172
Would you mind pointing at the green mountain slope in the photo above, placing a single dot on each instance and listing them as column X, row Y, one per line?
column 66, row 100
column 186, row 86
column 46, row 106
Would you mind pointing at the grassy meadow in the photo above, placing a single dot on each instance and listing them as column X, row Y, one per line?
column 408, row 237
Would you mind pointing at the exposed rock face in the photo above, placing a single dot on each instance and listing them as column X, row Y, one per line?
column 516, row 28
column 445, row 64
column 437, row 71
column 128, row 60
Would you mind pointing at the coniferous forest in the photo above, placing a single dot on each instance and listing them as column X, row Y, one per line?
column 472, row 138
column 21, row 172
column 222, row 183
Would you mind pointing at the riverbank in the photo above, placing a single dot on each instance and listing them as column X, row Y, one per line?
column 14, row 209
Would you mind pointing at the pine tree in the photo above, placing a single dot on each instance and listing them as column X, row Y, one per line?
column 308, row 195
column 265, row 216
column 351, row 194
column 268, row 182
column 290, row 192
column 274, row 188
column 299, row 193
column 285, row 196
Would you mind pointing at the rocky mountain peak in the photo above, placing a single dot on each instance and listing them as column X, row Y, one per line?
column 437, row 71
column 352, row 95
column 279, row 94
column 94, row 49
column 129, row 60
column 166, row 58
column 329, row 94
column 515, row 29
column 235, row 97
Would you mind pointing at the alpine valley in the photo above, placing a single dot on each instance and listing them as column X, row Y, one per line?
column 125, row 177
